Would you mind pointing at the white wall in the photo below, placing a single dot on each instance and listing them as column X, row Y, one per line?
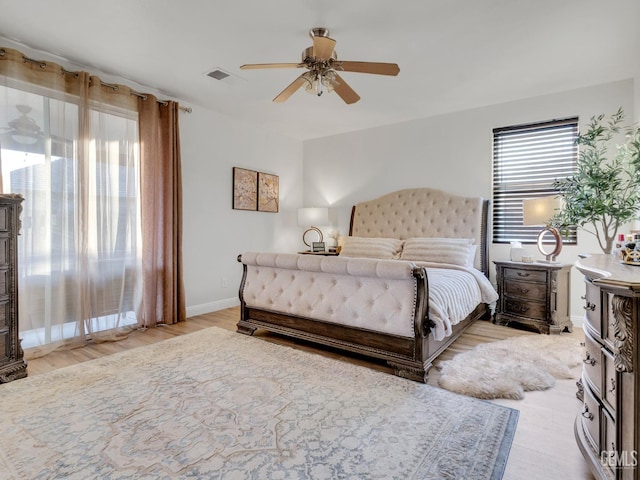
column 451, row 152
column 214, row 233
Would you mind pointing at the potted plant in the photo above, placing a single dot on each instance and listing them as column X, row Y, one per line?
column 604, row 193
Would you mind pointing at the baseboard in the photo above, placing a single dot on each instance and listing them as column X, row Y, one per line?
column 577, row 320
column 212, row 307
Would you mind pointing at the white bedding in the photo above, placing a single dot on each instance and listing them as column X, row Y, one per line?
column 454, row 292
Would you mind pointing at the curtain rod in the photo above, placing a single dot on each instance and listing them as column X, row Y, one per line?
column 114, row 86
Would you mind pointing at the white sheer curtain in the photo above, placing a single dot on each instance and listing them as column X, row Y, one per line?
column 77, row 166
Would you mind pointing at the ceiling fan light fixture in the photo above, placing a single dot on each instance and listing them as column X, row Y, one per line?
column 318, row 83
column 24, row 129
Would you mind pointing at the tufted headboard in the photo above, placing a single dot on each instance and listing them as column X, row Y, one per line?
column 424, row 212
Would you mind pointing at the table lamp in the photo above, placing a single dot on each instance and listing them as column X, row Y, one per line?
column 538, row 211
column 310, row 216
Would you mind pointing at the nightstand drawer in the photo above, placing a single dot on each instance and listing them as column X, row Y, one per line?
column 534, row 291
column 525, row 308
column 528, row 275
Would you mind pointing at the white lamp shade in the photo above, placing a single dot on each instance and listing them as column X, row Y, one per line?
column 538, row 211
column 313, row 216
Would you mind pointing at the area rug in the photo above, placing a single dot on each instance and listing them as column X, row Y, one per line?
column 508, row 368
column 216, row 404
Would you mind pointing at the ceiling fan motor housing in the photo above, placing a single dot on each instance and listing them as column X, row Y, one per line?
column 308, row 58
column 319, row 32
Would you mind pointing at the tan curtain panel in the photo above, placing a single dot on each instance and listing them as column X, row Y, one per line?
column 161, row 181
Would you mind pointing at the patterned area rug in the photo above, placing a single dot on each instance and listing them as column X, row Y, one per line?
column 508, row 368
column 217, row 404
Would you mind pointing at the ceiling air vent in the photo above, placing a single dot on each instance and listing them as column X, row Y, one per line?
column 218, row 74
column 224, row 76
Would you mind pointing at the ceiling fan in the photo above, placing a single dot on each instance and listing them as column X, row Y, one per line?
column 323, row 65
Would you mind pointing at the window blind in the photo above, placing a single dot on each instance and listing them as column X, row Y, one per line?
column 527, row 159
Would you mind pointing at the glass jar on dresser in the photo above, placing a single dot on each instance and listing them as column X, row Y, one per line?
column 12, row 363
column 608, row 427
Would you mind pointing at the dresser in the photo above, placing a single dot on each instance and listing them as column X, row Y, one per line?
column 608, row 428
column 12, row 363
column 534, row 294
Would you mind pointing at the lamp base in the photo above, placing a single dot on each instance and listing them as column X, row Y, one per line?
column 312, row 229
column 550, row 257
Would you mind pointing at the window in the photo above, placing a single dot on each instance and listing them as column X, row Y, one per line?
column 526, row 161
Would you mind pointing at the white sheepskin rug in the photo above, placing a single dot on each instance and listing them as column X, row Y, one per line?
column 508, row 368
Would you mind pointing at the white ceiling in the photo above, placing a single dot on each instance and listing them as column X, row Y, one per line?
column 453, row 54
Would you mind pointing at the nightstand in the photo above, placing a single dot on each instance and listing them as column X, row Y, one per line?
column 326, row 254
column 534, row 294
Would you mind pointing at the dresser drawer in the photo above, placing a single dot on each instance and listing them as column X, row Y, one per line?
column 592, row 307
column 609, row 426
column 592, row 364
column 591, row 419
column 528, row 275
column 4, row 250
column 609, row 382
column 4, row 218
column 525, row 308
column 535, row 291
column 4, row 314
column 4, row 282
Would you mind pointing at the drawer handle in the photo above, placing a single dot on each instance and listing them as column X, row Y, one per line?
column 522, row 274
column 522, row 290
column 590, row 360
column 587, row 414
column 590, row 306
column 613, row 385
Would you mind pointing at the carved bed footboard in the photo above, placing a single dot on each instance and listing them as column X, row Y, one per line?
column 356, row 314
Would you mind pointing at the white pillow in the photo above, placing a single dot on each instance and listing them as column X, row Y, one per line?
column 456, row 251
column 374, row 247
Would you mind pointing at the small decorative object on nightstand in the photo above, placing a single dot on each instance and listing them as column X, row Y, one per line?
column 533, row 294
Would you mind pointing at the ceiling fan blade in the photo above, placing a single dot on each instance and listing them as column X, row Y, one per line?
column 251, row 66
column 323, row 47
column 290, row 90
column 368, row 67
column 345, row 91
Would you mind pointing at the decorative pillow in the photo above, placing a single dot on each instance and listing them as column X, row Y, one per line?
column 374, row 247
column 456, row 251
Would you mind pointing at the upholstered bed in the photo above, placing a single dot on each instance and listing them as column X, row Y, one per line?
column 411, row 276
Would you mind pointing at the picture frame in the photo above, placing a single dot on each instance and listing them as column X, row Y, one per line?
column 245, row 189
column 268, row 192
column 318, row 247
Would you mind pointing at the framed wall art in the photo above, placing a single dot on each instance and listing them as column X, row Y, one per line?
column 245, row 189
column 268, row 192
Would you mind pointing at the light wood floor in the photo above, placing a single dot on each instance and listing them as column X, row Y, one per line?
column 544, row 447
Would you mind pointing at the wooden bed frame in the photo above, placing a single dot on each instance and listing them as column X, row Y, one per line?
column 409, row 357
